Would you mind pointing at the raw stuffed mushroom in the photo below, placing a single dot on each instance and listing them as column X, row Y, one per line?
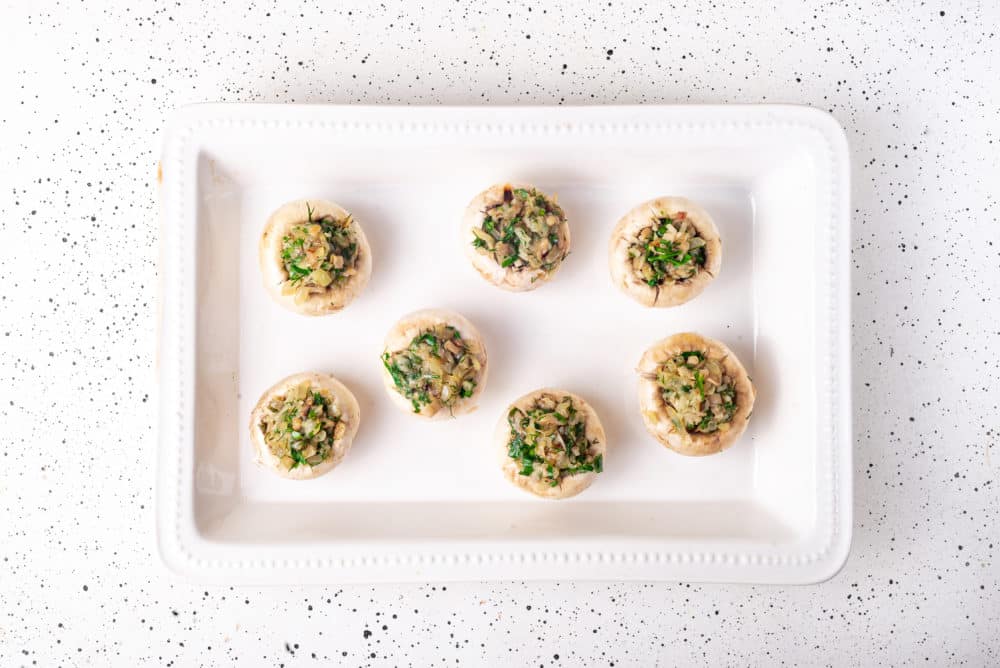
column 314, row 257
column 304, row 425
column 551, row 444
column 664, row 252
column 515, row 236
column 434, row 364
column 694, row 394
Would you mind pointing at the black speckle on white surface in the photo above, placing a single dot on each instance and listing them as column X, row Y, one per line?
column 88, row 88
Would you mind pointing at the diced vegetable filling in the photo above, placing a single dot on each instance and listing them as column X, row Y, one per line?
column 669, row 249
column 317, row 254
column 549, row 440
column 698, row 395
column 302, row 426
column 437, row 369
column 524, row 232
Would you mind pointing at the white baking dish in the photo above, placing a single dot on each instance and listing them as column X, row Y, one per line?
column 425, row 501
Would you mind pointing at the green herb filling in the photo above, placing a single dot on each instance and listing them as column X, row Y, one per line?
column 524, row 232
column 317, row 254
column 549, row 440
column 668, row 249
column 698, row 395
column 302, row 426
column 437, row 369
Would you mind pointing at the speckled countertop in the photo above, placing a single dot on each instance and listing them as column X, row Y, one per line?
column 88, row 87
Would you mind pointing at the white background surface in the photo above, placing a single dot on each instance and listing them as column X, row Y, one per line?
column 87, row 90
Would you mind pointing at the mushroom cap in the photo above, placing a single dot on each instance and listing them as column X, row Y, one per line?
column 651, row 403
column 350, row 413
column 272, row 267
column 669, row 293
column 399, row 338
column 507, row 278
column 568, row 486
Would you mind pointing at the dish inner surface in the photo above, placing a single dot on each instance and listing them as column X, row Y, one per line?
column 578, row 333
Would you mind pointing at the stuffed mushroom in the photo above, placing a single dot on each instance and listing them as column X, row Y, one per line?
column 551, row 443
column 694, row 394
column 434, row 364
column 515, row 236
column 304, row 425
column 664, row 252
column 314, row 257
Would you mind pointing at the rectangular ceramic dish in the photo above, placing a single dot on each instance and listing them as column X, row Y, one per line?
column 424, row 500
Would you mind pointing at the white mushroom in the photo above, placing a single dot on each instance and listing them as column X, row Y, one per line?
column 314, row 289
column 422, row 376
column 716, row 366
column 688, row 252
column 573, row 469
column 272, row 443
column 515, row 236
